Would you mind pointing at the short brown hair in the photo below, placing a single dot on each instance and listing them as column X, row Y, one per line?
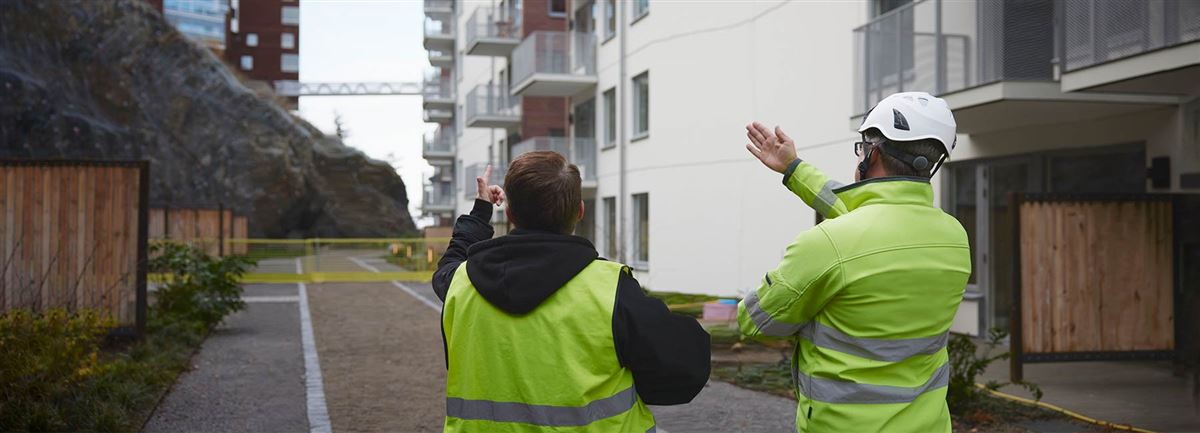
column 543, row 192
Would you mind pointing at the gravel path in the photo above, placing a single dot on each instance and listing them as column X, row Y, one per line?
column 722, row 407
column 247, row 377
column 381, row 358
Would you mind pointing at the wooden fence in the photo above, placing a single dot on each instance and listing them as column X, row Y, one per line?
column 73, row 235
column 209, row 229
column 1096, row 278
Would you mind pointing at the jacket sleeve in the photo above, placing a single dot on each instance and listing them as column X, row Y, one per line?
column 668, row 353
column 469, row 229
column 789, row 296
column 815, row 188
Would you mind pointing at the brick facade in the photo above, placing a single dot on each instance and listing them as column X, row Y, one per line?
column 542, row 116
column 262, row 18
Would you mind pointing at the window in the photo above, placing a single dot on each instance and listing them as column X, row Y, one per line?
column 289, row 63
column 641, row 105
column 290, row 15
column 610, row 227
column 610, row 19
column 610, row 117
column 251, row 39
column 247, row 63
column 287, row 41
column 640, row 9
column 558, row 8
column 641, row 229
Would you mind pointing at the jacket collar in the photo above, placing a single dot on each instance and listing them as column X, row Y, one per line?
column 887, row 190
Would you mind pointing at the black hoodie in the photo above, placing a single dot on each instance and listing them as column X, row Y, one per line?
column 667, row 353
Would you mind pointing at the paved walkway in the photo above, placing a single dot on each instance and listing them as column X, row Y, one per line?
column 1139, row 393
column 247, row 377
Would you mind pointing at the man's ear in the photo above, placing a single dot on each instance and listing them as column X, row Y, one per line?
column 581, row 211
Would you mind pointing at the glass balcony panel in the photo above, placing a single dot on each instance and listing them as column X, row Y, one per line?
column 493, row 31
column 550, row 63
column 491, row 106
column 440, row 143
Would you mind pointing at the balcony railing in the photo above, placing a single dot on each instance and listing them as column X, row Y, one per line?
column 441, row 58
column 491, row 106
column 439, row 28
column 581, row 152
column 493, row 31
column 438, row 196
column 943, row 46
column 438, row 115
column 437, row 86
column 1098, row 31
column 558, row 58
column 440, row 143
column 439, row 6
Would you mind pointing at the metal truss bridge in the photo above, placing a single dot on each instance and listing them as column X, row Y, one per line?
column 296, row 88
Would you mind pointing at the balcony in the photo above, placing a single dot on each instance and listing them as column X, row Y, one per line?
column 992, row 61
column 438, row 197
column 441, row 59
column 440, row 144
column 554, row 64
column 491, row 106
column 1130, row 46
column 439, row 8
column 438, row 90
column 580, row 151
column 439, row 34
column 439, row 115
column 493, row 32
column 473, row 171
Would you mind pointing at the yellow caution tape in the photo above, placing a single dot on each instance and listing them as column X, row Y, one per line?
column 1076, row 415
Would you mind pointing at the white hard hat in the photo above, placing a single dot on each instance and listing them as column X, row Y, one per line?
column 911, row 116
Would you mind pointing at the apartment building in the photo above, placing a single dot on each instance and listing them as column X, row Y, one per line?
column 262, row 41
column 1050, row 96
column 201, row 20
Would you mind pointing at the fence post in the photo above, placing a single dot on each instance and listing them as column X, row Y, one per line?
column 1016, row 372
column 143, row 238
column 221, row 229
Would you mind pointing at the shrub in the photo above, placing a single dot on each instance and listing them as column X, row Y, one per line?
column 45, row 357
column 966, row 362
column 200, row 290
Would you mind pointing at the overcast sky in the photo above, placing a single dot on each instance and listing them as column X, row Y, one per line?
column 368, row 40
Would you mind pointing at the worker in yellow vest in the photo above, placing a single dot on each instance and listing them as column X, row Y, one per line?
column 869, row 294
column 542, row 335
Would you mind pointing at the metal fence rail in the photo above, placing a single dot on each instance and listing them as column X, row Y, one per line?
column 492, row 101
column 546, row 52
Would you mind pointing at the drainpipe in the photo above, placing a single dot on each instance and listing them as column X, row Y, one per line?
column 621, row 141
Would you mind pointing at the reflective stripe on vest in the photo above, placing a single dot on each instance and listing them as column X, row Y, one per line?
column 827, row 337
column 836, row 391
column 542, row 415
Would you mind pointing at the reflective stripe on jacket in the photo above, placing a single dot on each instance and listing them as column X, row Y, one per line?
column 552, row 369
column 869, row 294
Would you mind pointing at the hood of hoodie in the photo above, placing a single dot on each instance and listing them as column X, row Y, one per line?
column 518, row 271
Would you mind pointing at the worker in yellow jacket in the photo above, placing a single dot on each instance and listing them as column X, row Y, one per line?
column 869, row 294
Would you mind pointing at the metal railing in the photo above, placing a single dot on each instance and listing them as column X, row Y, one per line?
column 438, row 114
column 1098, row 31
column 438, row 195
column 439, row 5
column 443, row 28
column 441, row 141
column 945, row 46
column 493, row 101
column 493, row 23
column 581, row 152
column 437, row 86
column 547, row 52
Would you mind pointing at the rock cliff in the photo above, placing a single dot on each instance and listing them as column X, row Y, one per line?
column 111, row 79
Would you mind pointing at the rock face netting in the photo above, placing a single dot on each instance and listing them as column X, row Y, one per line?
column 113, row 80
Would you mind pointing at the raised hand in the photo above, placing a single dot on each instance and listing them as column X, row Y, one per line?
column 775, row 150
column 490, row 193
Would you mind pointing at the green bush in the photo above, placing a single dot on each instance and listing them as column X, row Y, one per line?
column 966, row 363
column 200, row 290
column 55, row 374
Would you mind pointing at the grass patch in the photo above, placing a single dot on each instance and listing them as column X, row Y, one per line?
column 60, row 372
